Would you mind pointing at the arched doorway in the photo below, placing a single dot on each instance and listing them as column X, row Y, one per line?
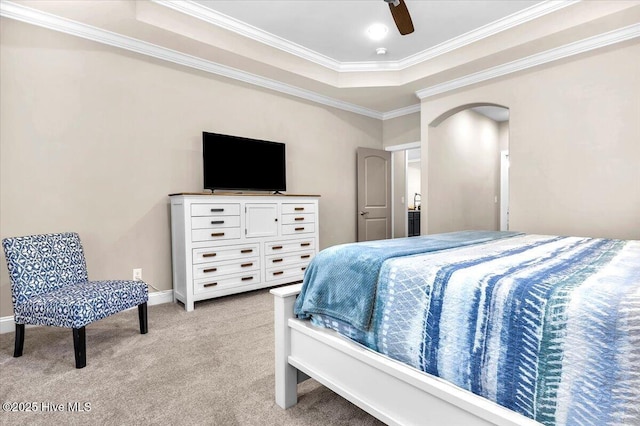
column 467, row 186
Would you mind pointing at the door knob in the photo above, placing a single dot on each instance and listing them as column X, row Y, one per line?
column 363, row 213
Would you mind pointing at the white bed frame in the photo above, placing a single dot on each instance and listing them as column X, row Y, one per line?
column 387, row 389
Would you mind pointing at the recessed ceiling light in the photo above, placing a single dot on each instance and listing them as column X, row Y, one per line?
column 377, row 31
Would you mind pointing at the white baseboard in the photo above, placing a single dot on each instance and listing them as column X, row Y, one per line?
column 160, row 297
column 156, row 298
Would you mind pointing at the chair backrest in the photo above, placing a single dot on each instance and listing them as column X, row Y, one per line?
column 42, row 263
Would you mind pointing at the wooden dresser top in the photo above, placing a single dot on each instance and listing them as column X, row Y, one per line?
column 242, row 194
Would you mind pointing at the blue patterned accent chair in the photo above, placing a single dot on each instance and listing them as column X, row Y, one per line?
column 50, row 286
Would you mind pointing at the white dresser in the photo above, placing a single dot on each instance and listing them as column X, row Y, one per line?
column 228, row 243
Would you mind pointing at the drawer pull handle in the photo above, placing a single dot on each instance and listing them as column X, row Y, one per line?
column 299, row 209
column 217, row 222
column 299, row 218
column 300, row 228
column 278, row 273
column 303, row 268
column 246, row 251
column 210, row 285
column 305, row 256
column 276, row 260
column 209, row 255
column 217, row 210
column 218, row 234
column 277, row 247
column 247, row 278
column 246, row 265
column 209, row 270
column 305, row 244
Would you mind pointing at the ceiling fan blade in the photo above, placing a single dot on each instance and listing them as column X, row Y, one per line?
column 401, row 17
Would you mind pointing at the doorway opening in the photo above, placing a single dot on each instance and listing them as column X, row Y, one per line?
column 414, row 193
column 468, row 169
column 408, row 166
column 406, row 177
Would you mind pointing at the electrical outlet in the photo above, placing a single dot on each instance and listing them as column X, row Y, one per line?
column 137, row 274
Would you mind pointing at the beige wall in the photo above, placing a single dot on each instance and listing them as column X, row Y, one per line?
column 464, row 174
column 94, row 138
column 503, row 134
column 401, row 130
column 574, row 142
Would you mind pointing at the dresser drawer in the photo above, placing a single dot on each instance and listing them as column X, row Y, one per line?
column 215, row 234
column 217, row 209
column 215, row 254
column 298, row 229
column 208, row 270
column 212, row 284
column 214, row 222
column 280, row 261
column 291, row 273
column 288, row 219
column 278, row 247
column 290, row 208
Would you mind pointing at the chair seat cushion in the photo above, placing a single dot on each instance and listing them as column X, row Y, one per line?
column 75, row 306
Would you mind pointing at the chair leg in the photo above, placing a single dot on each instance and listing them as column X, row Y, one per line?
column 142, row 316
column 79, row 346
column 17, row 351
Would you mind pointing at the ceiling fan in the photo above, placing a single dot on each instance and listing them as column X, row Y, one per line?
column 401, row 16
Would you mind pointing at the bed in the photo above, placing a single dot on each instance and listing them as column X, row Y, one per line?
column 471, row 327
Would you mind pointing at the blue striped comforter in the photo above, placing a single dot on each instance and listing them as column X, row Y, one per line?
column 356, row 267
column 546, row 326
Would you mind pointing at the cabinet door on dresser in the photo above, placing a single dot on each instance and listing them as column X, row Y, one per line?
column 261, row 220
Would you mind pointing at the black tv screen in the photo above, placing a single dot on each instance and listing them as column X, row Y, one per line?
column 237, row 163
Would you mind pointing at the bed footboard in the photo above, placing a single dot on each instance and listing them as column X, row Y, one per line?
column 388, row 390
column 287, row 376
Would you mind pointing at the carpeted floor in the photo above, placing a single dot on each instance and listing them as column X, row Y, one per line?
column 212, row 366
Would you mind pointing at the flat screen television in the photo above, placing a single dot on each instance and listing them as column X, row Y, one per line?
column 238, row 163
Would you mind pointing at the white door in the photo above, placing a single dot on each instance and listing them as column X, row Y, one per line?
column 261, row 220
column 374, row 194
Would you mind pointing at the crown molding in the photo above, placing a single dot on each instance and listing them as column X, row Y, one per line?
column 205, row 14
column 67, row 26
column 221, row 20
column 571, row 49
column 493, row 28
column 400, row 112
column 35, row 17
